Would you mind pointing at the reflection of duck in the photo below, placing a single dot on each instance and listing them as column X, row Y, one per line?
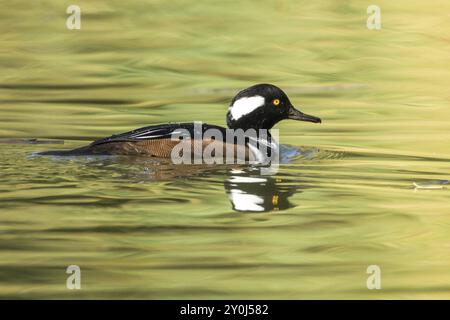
column 247, row 190
column 257, row 193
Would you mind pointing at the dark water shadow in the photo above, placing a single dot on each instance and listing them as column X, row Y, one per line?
column 246, row 188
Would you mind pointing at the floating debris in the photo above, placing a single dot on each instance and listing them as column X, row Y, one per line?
column 437, row 184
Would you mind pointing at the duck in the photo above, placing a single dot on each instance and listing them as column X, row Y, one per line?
column 258, row 108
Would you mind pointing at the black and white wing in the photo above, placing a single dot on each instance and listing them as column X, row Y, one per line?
column 161, row 131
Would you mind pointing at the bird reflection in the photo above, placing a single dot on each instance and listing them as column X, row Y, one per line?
column 246, row 188
column 255, row 193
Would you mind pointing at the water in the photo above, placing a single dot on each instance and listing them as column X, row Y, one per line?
column 369, row 186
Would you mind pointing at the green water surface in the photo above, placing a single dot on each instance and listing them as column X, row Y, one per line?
column 369, row 187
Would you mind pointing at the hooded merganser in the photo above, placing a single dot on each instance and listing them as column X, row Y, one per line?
column 258, row 107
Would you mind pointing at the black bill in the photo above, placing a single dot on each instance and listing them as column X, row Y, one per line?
column 295, row 114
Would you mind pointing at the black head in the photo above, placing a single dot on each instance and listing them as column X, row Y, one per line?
column 261, row 107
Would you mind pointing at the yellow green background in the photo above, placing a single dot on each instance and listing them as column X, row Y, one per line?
column 383, row 96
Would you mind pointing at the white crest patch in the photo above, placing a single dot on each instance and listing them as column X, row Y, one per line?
column 246, row 105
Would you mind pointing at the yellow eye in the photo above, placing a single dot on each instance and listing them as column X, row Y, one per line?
column 276, row 102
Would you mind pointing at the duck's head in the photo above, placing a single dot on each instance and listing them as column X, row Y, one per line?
column 261, row 107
